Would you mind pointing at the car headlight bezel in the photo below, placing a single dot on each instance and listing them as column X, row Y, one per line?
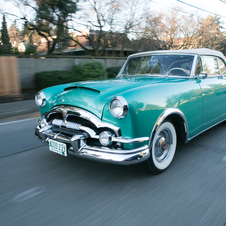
column 119, row 107
column 40, row 99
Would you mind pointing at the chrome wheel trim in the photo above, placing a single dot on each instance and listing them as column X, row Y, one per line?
column 164, row 146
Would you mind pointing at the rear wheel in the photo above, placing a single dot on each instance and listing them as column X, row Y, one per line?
column 162, row 149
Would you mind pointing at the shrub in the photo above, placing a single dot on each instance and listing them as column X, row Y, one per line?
column 112, row 71
column 30, row 50
column 89, row 71
column 93, row 71
column 77, row 70
column 15, row 51
column 51, row 78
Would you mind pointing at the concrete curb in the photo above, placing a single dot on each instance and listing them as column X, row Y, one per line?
column 17, row 108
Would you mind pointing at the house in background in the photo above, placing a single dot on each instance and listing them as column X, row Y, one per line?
column 22, row 46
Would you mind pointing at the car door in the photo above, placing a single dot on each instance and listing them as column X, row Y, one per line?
column 213, row 90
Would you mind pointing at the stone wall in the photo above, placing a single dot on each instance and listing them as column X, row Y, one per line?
column 29, row 66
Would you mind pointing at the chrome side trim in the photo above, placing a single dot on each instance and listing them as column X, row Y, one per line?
column 205, row 130
column 130, row 141
column 116, row 151
column 85, row 115
column 194, row 64
column 163, row 116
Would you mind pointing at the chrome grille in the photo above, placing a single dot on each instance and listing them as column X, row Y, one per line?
column 69, row 125
column 77, row 119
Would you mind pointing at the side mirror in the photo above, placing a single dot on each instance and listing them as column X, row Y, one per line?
column 203, row 74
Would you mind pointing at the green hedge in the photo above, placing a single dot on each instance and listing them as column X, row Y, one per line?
column 89, row 71
column 112, row 71
column 94, row 71
column 51, row 78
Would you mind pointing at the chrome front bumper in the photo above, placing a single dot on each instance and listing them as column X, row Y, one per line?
column 78, row 147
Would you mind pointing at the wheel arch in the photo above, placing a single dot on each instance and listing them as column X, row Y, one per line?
column 177, row 117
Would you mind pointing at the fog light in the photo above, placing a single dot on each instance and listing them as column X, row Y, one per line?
column 105, row 138
column 42, row 122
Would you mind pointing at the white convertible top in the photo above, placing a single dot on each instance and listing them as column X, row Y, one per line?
column 203, row 51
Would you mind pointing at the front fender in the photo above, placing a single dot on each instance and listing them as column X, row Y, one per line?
column 168, row 113
column 149, row 106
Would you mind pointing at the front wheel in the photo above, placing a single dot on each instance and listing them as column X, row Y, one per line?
column 162, row 149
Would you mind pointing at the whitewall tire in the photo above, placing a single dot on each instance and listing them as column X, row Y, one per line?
column 162, row 148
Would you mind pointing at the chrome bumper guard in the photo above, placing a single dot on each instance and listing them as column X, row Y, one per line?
column 78, row 147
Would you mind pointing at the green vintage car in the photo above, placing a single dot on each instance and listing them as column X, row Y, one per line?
column 158, row 98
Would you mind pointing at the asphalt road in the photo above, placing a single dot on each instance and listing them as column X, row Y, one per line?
column 38, row 187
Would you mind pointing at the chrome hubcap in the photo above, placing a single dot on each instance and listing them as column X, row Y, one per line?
column 162, row 145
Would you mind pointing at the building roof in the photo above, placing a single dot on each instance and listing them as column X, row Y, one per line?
column 203, row 51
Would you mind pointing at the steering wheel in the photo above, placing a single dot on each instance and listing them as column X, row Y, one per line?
column 177, row 68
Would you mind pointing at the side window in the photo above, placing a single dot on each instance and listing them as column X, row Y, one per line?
column 222, row 66
column 210, row 65
column 199, row 67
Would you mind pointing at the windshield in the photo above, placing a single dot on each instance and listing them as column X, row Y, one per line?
column 172, row 65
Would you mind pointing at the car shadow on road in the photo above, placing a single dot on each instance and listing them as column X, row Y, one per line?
column 187, row 156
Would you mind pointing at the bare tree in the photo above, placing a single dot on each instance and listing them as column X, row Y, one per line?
column 188, row 32
column 209, row 33
column 181, row 31
column 93, row 21
column 170, row 28
column 14, row 34
column 109, row 22
column 148, row 36
column 160, row 30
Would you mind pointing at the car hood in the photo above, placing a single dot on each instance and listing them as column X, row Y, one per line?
column 93, row 96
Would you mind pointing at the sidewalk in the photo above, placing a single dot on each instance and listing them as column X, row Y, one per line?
column 17, row 108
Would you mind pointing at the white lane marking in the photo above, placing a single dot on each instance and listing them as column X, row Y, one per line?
column 28, row 194
column 23, row 120
column 206, row 215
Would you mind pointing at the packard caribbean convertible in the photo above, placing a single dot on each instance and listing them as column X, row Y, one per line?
column 157, row 98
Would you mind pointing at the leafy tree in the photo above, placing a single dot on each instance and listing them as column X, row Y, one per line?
column 24, row 30
column 4, row 32
column 5, row 36
column 51, row 21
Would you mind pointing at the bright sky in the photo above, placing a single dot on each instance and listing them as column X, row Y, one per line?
column 214, row 6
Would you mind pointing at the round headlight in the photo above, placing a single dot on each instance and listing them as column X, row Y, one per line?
column 119, row 107
column 105, row 138
column 40, row 99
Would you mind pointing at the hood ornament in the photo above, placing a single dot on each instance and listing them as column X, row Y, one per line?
column 64, row 113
